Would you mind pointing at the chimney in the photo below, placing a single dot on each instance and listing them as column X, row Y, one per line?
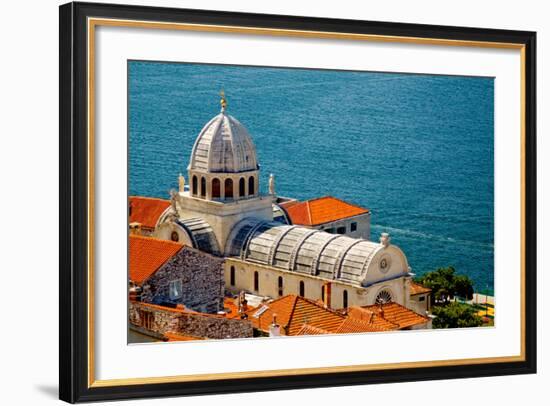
column 381, row 310
column 135, row 228
column 327, row 293
column 243, row 305
column 274, row 328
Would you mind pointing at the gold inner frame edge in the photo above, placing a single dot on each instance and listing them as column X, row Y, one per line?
column 93, row 22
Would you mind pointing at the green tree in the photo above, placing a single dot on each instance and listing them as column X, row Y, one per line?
column 446, row 284
column 463, row 287
column 455, row 315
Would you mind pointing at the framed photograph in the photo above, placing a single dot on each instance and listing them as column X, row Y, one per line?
column 257, row 202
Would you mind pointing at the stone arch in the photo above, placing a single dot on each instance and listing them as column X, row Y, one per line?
column 194, row 185
column 228, row 188
column 203, row 186
column 242, row 187
column 384, row 295
column 216, row 188
column 251, row 186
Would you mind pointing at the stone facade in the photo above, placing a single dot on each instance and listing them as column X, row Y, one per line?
column 420, row 303
column 192, row 278
column 162, row 320
column 268, row 284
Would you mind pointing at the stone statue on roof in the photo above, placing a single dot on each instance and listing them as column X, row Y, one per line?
column 272, row 184
column 181, row 181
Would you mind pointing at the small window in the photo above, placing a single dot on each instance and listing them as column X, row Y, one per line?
column 256, row 281
column 330, row 230
column 241, row 187
column 203, row 186
column 175, row 236
column 232, row 276
column 302, row 289
column 280, row 283
column 323, row 293
column 175, row 289
column 229, row 188
column 341, row 230
column 353, row 227
column 345, row 299
column 421, row 298
column 195, row 186
column 216, row 188
column 251, row 191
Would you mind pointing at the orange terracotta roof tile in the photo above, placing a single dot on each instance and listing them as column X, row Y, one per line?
column 146, row 210
column 321, row 210
column 147, row 255
column 417, row 289
column 397, row 314
column 308, row 330
column 351, row 325
column 292, row 313
column 372, row 318
column 172, row 336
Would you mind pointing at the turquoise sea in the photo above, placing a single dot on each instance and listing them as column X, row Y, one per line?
column 417, row 150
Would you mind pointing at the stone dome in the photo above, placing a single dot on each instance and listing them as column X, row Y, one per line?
column 223, row 146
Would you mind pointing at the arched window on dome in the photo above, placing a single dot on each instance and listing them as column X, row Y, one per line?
column 251, row 185
column 229, row 188
column 216, row 188
column 195, row 185
column 242, row 190
column 203, row 187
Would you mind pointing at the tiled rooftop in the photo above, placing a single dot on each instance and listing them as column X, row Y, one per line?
column 146, row 210
column 321, row 210
column 292, row 313
column 372, row 318
column 308, row 330
column 351, row 325
column 147, row 255
column 417, row 289
column 397, row 314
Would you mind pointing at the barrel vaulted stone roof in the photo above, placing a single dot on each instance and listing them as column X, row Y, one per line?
column 302, row 250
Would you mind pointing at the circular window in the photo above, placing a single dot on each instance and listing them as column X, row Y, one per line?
column 383, row 297
column 384, row 264
column 175, row 236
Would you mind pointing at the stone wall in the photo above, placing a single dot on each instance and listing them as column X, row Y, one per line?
column 202, row 281
column 162, row 320
column 214, row 327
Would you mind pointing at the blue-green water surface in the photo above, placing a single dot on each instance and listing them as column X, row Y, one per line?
column 417, row 150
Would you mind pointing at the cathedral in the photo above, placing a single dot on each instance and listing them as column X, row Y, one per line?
column 274, row 246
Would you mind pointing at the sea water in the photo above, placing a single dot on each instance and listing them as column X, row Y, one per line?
column 417, row 150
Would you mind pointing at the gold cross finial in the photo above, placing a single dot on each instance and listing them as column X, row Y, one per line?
column 223, row 100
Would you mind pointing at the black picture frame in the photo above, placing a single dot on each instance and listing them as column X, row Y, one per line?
column 74, row 200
